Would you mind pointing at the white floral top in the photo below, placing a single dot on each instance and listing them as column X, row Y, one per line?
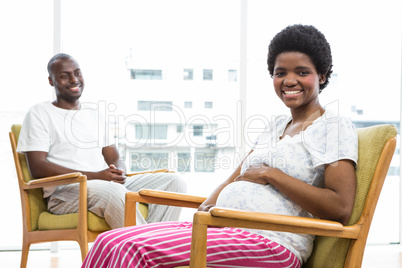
column 328, row 139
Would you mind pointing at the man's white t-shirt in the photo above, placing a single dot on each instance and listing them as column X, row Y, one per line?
column 72, row 138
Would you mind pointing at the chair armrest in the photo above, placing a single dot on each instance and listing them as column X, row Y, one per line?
column 164, row 198
column 172, row 196
column 54, row 181
column 149, row 171
column 159, row 198
column 255, row 220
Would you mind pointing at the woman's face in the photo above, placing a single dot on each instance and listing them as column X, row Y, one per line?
column 296, row 80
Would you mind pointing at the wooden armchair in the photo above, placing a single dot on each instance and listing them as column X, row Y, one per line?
column 39, row 225
column 335, row 245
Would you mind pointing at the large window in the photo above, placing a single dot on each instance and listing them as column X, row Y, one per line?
column 160, row 68
column 152, row 69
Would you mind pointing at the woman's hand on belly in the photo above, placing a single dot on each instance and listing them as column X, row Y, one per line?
column 257, row 173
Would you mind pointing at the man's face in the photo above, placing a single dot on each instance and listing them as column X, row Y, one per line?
column 67, row 79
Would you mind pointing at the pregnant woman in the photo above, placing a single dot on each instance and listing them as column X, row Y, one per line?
column 301, row 165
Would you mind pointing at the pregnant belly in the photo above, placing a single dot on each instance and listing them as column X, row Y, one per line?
column 246, row 195
column 251, row 196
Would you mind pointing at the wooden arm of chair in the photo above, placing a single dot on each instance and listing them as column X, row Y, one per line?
column 55, row 180
column 281, row 223
column 159, row 198
column 149, row 171
column 255, row 220
column 188, row 199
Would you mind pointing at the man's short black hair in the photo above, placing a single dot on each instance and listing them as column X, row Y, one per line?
column 54, row 58
column 305, row 39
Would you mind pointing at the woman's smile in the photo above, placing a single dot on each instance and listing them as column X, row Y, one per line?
column 292, row 93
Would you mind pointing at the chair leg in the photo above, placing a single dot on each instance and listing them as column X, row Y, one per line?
column 198, row 254
column 84, row 249
column 24, row 253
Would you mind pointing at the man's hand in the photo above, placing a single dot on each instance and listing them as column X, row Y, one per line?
column 112, row 158
column 113, row 174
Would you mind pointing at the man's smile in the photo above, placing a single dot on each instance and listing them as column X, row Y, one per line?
column 75, row 88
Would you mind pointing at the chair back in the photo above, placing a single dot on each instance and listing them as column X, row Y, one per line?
column 373, row 162
column 32, row 201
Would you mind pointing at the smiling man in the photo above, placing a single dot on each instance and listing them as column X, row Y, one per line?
column 66, row 136
column 66, row 77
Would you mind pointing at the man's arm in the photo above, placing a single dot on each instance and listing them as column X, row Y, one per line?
column 116, row 165
column 112, row 157
column 40, row 167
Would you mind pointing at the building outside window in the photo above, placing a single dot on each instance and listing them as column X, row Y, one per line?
column 184, row 162
column 207, row 74
column 208, row 105
column 232, row 75
column 188, row 104
column 197, row 130
column 154, row 132
column 211, row 140
column 142, row 74
column 148, row 161
column 204, row 161
column 188, row 74
column 164, row 106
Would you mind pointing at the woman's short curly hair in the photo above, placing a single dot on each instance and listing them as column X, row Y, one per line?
column 305, row 39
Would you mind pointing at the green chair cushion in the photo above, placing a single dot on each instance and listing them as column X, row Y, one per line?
column 143, row 208
column 49, row 221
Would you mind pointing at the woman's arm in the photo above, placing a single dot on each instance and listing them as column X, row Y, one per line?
column 334, row 202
